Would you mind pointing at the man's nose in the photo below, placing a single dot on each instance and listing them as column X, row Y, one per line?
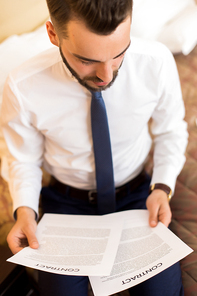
column 104, row 71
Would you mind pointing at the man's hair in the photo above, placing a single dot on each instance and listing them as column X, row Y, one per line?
column 100, row 16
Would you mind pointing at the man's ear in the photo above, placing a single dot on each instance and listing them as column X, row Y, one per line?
column 52, row 33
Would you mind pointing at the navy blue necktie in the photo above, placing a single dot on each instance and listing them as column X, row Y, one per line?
column 102, row 155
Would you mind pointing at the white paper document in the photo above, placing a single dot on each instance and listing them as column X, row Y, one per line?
column 116, row 251
column 143, row 252
column 73, row 245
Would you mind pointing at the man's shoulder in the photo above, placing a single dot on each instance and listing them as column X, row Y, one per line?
column 36, row 64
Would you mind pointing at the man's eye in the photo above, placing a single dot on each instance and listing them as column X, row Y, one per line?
column 86, row 62
column 121, row 55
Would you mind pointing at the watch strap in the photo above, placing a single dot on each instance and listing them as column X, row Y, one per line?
column 163, row 187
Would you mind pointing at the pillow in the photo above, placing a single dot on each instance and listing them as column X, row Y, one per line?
column 20, row 16
column 180, row 35
column 150, row 16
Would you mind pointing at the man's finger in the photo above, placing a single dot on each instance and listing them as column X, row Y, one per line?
column 14, row 245
column 165, row 216
column 153, row 215
column 153, row 220
column 32, row 240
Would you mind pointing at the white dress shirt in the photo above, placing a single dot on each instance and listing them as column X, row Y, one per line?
column 46, row 121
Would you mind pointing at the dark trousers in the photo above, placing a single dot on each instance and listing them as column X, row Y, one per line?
column 166, row 283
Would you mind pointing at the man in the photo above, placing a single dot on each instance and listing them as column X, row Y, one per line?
column 46, row 120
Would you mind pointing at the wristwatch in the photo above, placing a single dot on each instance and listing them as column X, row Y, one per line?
column 162, row 187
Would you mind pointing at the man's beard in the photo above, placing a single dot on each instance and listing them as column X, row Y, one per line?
column 84, row 81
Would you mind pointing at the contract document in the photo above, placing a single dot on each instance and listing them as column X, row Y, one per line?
column 116, row 251
column 143, row 252
column 73, row 245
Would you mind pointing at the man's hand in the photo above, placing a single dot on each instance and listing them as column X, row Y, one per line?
column 23, row 232
column 158, row 207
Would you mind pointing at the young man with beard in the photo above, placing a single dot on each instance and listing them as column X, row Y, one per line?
column 46, row 121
